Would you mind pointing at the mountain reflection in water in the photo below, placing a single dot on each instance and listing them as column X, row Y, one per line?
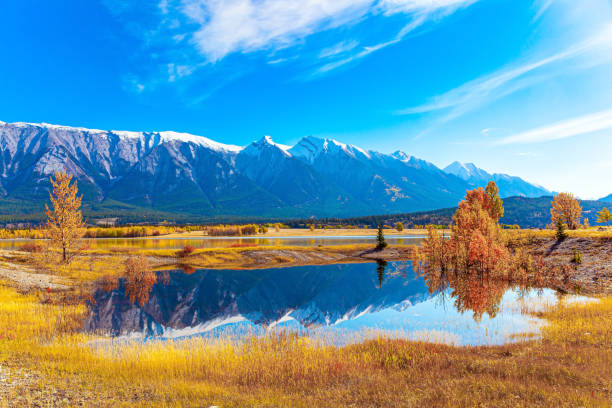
column 348, row 302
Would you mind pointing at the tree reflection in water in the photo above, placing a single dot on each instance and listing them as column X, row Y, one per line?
column 381, row 265
column 474, row 292
column 139, row 280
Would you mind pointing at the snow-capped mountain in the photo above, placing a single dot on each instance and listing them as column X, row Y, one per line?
column 508, row 185
column 187, row 174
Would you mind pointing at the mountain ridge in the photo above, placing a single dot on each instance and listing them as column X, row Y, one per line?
column 508, row 185
column 177, row 172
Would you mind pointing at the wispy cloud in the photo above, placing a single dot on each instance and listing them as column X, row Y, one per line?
column 505, row 81
column 542, row 6
column 340, row 48
column 367, row 50
column 241, row 26
column 582, row 125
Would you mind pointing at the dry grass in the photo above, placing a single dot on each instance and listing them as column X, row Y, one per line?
column 48, row 364
column 527, row 234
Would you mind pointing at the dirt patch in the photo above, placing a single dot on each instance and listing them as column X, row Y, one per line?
column 26, row 279
column 594, row 273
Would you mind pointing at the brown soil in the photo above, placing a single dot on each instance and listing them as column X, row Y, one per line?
column 593, row 274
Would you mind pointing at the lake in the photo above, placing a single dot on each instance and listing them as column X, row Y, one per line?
column 222, row 242
column 339, row 304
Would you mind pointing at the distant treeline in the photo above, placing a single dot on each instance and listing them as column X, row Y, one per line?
column 520, row 212
column 441, row 217
column 140, row 231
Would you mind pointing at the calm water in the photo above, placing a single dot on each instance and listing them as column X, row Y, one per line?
column 219, row 242
column 338, row 303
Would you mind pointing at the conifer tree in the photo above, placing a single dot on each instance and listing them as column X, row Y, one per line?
column 380, row 238
column 561, row 233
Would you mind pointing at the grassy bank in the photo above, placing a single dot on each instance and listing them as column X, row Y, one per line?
column 45, row 363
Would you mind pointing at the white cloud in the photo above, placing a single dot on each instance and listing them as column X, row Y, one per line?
column 421, row 6
column 582, row 125
column 230, row 26
column 505, row 81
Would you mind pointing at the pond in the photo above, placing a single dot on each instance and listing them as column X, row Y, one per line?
column 222, row 242
column 340, row 304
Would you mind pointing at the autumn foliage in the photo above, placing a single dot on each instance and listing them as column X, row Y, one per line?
column 139, row 279
column 566, row 208
column 477, row 243
column 65, row 226
column 186, row 251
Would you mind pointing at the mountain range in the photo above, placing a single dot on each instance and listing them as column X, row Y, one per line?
column 178, row 173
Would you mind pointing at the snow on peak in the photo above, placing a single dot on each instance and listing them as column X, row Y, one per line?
column 401, row 156
column 265, row 143
column 164, row 136
column 50, row 126
column 268, row 140
column 168, row 136
column 310, row 147
column 466, row 171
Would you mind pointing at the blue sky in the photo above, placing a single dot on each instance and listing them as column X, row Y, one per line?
column 517, row 87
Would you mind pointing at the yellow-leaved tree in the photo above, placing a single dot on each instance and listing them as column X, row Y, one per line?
column 566, row 209
column 65, row 225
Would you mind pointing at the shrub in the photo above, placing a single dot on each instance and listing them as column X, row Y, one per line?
column 399, row 226
column 186, row 251
column 31, row 247
column 577, row 257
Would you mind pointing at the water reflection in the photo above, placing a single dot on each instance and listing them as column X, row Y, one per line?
column 221, row 242
column 345, row 301
column 381, row 265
